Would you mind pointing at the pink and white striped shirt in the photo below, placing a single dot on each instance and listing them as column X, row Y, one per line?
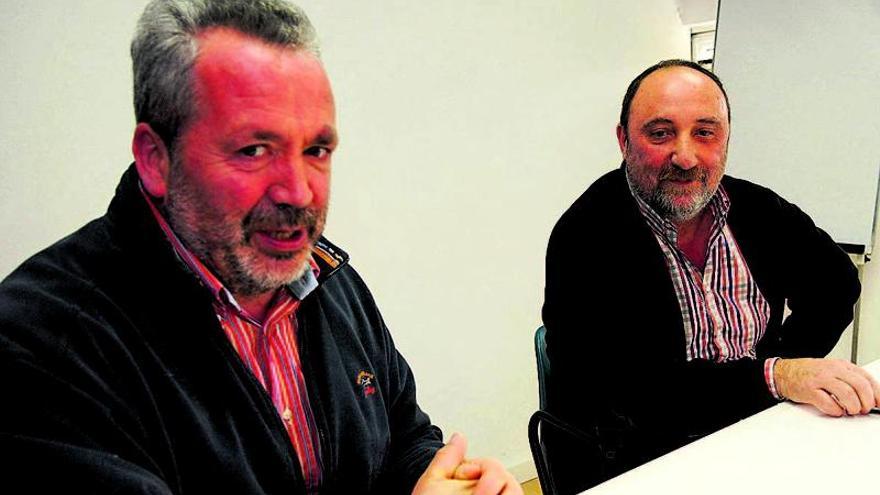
column 722, row 309
column 268, row 349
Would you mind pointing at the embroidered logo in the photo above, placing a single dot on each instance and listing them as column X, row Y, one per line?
column 365, row 382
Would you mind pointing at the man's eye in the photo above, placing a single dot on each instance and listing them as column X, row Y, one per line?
column 318, row 152
column 253, row 151
column 705, row 133
column 659, row 134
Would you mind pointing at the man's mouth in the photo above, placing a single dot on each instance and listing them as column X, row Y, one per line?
column 282, row 242
column 679, row 181
column 283, row 235
column 682, row 176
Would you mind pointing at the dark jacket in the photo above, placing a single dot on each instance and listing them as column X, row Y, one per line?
column 615, row 336
column 117, row 378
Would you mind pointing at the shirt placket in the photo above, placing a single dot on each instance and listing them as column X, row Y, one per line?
column 751, row 309
column 720, row 344
column 289, row 402
column 263, row 353
column 701, row 320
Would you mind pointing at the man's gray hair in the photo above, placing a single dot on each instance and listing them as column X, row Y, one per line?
column 164, row 50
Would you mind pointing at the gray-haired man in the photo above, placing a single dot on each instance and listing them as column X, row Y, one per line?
column 202, row 337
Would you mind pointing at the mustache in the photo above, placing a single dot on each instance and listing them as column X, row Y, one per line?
column 280, row 217
column 671, row 172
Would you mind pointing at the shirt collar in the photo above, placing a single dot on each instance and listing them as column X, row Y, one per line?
column 299, row 288
column 305, row 284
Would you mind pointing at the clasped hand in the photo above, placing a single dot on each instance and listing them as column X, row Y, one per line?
column 451, row 473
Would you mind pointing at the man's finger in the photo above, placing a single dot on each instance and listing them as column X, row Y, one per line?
column 874, row 394
column 852, row 385
column 846, row 396
column 468, row 470
column 447, row 459
column 490, row 485
column 826, row 403
column 876, row 386
column 863, row 390
column 495, row 479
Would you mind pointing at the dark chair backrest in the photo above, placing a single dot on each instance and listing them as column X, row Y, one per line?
column 543, row 365
column 579, row 451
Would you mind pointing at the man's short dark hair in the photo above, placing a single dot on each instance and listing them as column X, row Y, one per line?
column 164, row 50
column 634, row 85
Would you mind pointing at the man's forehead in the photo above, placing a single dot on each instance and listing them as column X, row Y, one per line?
column 231, row 63
column 222, row 47
column 677, row 89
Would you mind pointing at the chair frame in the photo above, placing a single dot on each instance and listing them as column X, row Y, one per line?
column 542, row 419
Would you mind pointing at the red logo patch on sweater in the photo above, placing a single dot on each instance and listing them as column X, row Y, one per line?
column 365, row 382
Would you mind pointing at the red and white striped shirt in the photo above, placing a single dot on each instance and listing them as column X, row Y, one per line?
column 722, row 308
column 269, row 350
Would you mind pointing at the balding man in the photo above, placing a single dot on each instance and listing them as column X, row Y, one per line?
column 667, row 283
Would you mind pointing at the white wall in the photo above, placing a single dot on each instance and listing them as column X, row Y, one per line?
column 66, row 117
column 467, row 128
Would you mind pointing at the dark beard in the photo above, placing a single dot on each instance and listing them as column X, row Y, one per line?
column 283, row 217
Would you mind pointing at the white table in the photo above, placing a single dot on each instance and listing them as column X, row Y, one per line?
column 787, row 449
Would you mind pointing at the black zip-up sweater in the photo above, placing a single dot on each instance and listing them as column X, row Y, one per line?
column 116, row 377
column 615, row 335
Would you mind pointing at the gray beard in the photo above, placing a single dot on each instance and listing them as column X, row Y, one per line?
column 217, row 245
column 664, row 204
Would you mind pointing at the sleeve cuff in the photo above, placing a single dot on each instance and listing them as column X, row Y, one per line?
column 770, row 378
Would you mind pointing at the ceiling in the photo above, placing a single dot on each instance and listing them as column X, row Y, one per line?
column 696, row 11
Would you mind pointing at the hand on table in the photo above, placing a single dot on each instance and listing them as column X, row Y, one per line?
column 834, row 386
column 450, row 473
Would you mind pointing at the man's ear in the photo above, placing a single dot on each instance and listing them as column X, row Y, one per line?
column 152, row 160
column 621, row 140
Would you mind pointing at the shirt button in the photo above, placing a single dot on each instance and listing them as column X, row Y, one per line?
column 287, row 415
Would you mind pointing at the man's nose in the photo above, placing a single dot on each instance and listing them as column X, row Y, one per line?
column 684, row 156
column 290, row 183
